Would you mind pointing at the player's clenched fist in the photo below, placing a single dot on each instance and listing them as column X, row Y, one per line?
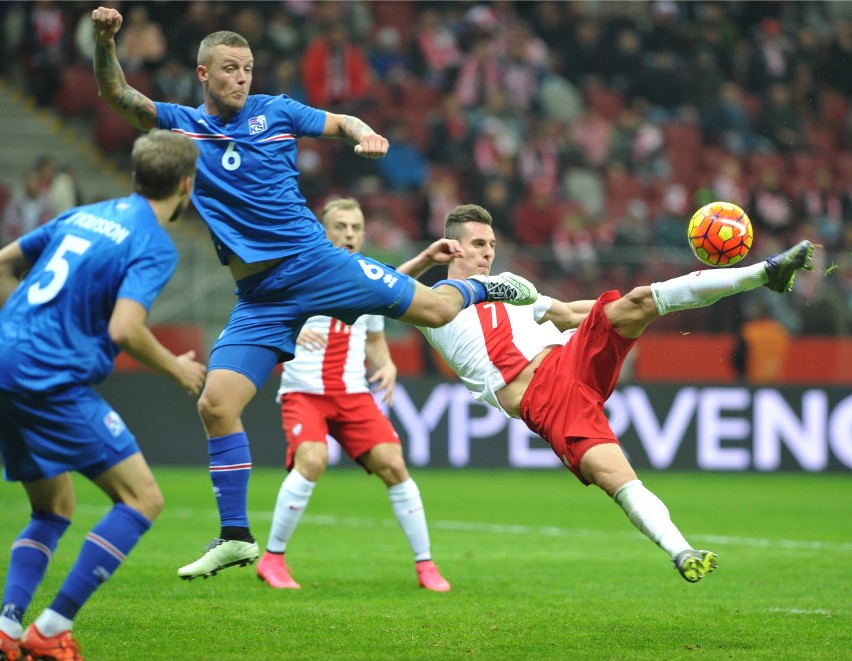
column 107, row 22
column 372, row 145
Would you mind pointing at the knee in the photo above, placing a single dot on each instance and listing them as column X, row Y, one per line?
column 213, row 409
column 312, row 465
column 392, row 471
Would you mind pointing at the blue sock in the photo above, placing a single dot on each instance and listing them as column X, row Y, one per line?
column 472, row 291
column 31, row 553
column 230, row 469
column 103, row 551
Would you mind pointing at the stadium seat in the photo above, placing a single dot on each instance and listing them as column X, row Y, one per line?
column 78, row 92
column 112, row 132
column 394, row 13
column 607, row 102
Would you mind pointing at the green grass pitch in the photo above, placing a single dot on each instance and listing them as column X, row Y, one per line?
column 541, row 567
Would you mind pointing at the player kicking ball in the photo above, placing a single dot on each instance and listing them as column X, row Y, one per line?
column 553, row 364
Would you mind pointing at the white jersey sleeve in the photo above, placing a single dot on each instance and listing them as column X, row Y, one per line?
column 489, row 344
column 338, row 368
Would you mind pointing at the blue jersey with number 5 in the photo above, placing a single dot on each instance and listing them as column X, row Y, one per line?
column 247, row 188
column 54, row 327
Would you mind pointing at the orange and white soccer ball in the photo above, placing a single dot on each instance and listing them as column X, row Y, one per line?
column 720, row 234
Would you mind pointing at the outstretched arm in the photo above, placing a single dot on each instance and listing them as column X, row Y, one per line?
column 128, row 330
column 442, row 251
column 130, row 103
column 566, row 315
column 367, row 142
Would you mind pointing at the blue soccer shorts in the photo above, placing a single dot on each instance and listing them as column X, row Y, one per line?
column 274, row 304
column 43, row 435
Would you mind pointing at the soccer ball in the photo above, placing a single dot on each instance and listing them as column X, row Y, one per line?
column 720, row 234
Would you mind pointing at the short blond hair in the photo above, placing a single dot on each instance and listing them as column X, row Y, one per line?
column 340, row 204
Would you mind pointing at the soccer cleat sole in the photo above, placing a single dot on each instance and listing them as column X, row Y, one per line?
column 213, row 572
column 803, row 252
column 697, row 566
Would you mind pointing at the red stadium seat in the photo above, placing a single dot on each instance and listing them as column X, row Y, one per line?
column 607, row 102
column 77, row 93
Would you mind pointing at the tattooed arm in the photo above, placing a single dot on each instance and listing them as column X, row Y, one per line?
column 367, row 142
column 130, row 103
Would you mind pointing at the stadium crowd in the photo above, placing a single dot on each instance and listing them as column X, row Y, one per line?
column 590, row 130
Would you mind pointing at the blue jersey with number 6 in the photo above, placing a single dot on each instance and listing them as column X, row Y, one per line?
column 247, row 187
column 54, row 327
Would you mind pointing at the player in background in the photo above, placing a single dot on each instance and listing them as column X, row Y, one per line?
column 325, row 389
column 94, row 272
column 553, row 364
column 285, row 267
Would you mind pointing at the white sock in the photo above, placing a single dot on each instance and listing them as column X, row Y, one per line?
column 11, row 628
column 650, row 515
column 408, row 509
column 702, row 288
column 51, row 623
column 292, row 500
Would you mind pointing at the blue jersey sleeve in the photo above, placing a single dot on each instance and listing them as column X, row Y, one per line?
column 148, row 273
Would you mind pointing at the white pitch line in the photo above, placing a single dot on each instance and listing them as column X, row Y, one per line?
column 800, row 611
column 511, row 529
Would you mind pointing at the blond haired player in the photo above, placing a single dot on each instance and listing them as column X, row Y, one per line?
column 325, row 390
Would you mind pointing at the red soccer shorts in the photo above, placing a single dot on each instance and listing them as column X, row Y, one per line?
column 564, row 403
column 354, row 421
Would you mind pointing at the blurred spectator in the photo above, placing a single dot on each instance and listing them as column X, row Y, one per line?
column 669, row 227
column 557, row 97
column 28, row 208
column 778, row 121
column 770, row 208
column 574, row 247
column 45, row 48
column 142, row 42
column 821, row 202
column 435, row 54
column 584, row 53
column 335, row 71
column 450, row 134
column 442, row 195
column 623, row 64
column 585, row 187
column 763, row 345
column 282, row 34
column 835, row 71
column 389, row 61
column 665, row 99
column 388, row 243
column 313, row 184
column 772, row 57
column 64, row 190
column 539, row 155
column 632, row 236
column 537, row 214
column 176, row 83
column 404, row 168
column 493, row 144
column 726, row 122
column 591, row 136
column 499, row 198
column 479, row 76
column 284, row 79
column 186, row 32
column 728, row 182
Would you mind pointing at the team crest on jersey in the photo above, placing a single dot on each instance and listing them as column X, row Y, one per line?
column 114, row 423
column 257, row 124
